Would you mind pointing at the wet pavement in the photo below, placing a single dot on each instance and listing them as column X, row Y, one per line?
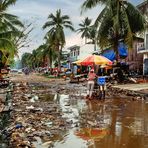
column 56, row 114
column 112, row 123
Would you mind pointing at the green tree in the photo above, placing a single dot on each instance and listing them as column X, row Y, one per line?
column 84, row 29
column 56, row 25
column 9, row 27
column 119, row 20
column 26, row 60
column 47, row 53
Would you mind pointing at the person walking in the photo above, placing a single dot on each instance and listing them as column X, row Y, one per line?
column 91, row 83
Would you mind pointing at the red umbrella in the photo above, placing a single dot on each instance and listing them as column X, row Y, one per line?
column 95, row 60
column 92, row 133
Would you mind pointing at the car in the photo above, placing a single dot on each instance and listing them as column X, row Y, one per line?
column 13, row 70
column 20, row 71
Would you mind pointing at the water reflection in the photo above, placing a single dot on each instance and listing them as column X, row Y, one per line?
column 124, row 122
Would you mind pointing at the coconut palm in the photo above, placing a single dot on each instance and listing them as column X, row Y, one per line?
column 56, row 25
column 8, row 21
column 9, row 27
column 85, row 28
column 46, row 53
column 119, row 20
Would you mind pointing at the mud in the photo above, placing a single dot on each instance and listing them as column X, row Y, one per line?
column 54, row 113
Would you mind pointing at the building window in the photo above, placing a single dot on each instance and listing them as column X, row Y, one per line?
column 78, row 52
column 74, row 53
column 71, row 54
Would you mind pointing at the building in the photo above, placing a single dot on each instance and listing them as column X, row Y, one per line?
column 143, row 7
column 135, row 59
column 74, row 52
column 86, row 50
column 80, row 52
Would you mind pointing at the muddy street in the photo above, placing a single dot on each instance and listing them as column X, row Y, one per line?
column 54, row 113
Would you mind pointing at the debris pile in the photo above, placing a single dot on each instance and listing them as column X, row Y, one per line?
column 33, row 118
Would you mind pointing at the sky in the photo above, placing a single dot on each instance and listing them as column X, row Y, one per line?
column 37, row 11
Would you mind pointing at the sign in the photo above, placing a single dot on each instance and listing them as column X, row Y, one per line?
column 101, row 80
column 140, row 46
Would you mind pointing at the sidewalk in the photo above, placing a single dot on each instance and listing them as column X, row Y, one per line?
column 134, row 87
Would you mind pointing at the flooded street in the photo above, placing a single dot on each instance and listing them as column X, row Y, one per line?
column 56, row 114
column 115, row 122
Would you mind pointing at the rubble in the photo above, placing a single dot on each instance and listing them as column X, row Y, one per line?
column 122, row 93
column 33, row 116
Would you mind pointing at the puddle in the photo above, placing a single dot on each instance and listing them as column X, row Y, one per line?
column 96, row 124
column 115, row 122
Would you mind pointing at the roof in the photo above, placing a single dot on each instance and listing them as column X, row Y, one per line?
column 138, row 39
column 74, row 46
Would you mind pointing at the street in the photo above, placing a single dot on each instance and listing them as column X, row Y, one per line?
column 54, row 113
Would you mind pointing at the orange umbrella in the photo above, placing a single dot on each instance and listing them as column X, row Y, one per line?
column 92, row 133
column 77, row 62
column 95, row 60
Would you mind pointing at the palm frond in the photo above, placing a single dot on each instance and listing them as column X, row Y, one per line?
column 100, row 17
column 88, row 4
column 136, row 19
column 6, row 3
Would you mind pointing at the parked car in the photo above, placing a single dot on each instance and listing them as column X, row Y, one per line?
column 14, row 70
column 20, row 71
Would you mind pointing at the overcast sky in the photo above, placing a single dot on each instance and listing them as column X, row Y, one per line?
column 37, row 11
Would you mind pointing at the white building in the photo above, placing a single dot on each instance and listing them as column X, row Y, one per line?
column 86, row 50
column 80, row 52
column 74, row 52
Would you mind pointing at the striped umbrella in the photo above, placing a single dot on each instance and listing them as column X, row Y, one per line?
column 95, row 60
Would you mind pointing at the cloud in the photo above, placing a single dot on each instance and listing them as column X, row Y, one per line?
column 37, row 11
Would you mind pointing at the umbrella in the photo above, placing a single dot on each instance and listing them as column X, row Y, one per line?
column 92, row 133
column 77, row 62
column 95, row 60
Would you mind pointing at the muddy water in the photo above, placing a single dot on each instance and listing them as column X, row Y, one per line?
column 113, row 123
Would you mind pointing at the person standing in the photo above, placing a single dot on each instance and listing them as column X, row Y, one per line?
column 91, row 83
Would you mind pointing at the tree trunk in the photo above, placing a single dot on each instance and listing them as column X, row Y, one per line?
column 95, row 46
column 85, row 40
column 50, row 64
column 116, row 48
column 59, row 60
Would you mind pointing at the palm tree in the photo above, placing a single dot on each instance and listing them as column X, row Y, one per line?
column 9, row 27
column 56, row 24
column 85, row 28
column 119, row 20
column 46, row 53
column 8, row 21
column 26, row 60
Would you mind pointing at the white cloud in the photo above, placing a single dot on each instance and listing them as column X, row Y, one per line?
column 37, row 11
column 73, row 39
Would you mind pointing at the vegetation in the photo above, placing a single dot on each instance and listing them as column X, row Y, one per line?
column 85, row 27
column 55, row 35
column 88, row 31
column 118, row 21
column 10, row 29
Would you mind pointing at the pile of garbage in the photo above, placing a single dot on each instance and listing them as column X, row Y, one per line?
column 33, row 118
